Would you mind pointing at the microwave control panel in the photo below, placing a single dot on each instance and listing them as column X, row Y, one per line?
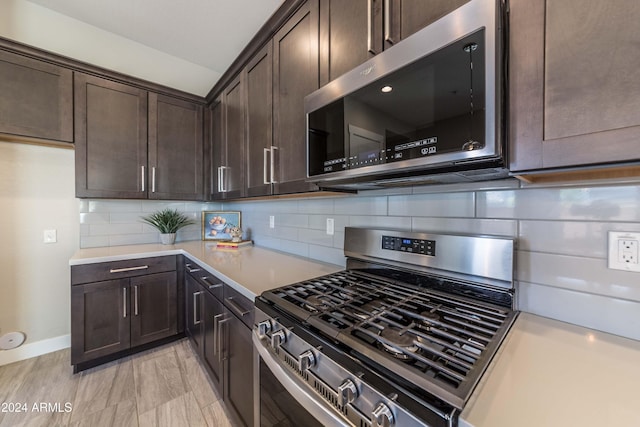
column 404, row 244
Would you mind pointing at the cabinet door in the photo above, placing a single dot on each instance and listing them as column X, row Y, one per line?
column 350, row 33
column 574, row 83
column 259, row 102
column 35, row 98
column 175, row 149
column 404, row 17
column 232, row 171
column 100, row 314
column 111, row 138
column 238, row 390
column 154, row 311
column 194, row 295
column 214, row 136
column 295, row 75
column 212, row 342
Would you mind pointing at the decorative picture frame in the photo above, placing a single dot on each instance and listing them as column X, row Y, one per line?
column 216, row 224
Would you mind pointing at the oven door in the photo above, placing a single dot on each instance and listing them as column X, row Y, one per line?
column 282, row 399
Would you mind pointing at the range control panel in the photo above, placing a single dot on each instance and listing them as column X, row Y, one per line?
column 403, row 244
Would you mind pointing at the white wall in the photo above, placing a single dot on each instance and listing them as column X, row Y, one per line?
column 36, row 193
column 35, row 25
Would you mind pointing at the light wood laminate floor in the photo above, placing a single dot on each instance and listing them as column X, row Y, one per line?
column 165, row 386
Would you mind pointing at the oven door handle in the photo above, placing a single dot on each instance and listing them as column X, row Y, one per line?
column 295, row 387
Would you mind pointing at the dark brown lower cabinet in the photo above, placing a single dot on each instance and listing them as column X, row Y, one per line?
column 113, row 316
column 218, row 325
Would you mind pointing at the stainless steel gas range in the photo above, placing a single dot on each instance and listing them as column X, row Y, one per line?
column 399, row 338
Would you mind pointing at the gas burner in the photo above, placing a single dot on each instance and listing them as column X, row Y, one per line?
column 397, row 343
column 431, row 315
column 316, row 303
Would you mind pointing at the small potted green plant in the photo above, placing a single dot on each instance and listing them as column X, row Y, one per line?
column 168, row 222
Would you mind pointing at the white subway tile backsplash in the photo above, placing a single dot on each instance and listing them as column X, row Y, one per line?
column 316, row 237
column 496, row 227
column 613, row 315
column 319, row 222
column 361, row 205
column 561, row 235
column 438, row 204
column 586, row 204
column 390, row 222
column 327, row 254
column 589, row 275
column 316, row 206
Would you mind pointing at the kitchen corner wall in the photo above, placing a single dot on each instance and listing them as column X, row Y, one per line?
column 36, row 193
column 561, row 235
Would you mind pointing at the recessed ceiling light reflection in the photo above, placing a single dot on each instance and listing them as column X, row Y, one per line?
column 386, row 89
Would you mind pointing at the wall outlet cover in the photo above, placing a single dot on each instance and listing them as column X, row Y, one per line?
column 624, row 251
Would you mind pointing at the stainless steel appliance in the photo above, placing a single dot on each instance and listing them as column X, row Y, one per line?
column 401, row 337
column 428, row 110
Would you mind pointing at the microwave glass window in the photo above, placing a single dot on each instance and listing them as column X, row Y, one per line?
column 435, row 105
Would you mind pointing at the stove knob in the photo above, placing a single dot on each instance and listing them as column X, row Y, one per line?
column 382, row 416
column 278, row 338
column 264, row 328
column 347, row 392
column 306, row 360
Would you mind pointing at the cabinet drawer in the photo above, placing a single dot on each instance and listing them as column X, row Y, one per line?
column 121, row 269
column 209, row 281
column 239, row 305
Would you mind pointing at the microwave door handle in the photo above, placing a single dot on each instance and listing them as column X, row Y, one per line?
column 303, row 396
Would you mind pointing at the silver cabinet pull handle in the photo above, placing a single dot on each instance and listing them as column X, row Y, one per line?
column 219, row 179
column 272, row 164
column 215, row 332
column 370, row 27
column 122, row 270
column 135, row 300
column 196, row 321
column 143, row 178
column 387, row 22
column 192, row 270
column 124, row 302
column 239, row 310
column 265, row 179
column 219, row 285
column 220, row 349
column 153, row 179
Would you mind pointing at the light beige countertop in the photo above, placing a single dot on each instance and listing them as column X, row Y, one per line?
column 250, row 270
column 549, row 373
column 546, row 373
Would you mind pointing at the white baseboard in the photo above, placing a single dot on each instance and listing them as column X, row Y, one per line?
column 34, row 349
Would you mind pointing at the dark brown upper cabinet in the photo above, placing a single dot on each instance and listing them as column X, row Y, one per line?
column 352, row 31
column 228, row 143
column 36, row 98
column 574, row 83
column 295, row 75
column 258, row 77
column 110, row 138
column 134, row 144
column 175, row 149
column 214, row 146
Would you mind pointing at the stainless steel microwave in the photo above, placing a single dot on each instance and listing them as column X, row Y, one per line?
column 427, row 110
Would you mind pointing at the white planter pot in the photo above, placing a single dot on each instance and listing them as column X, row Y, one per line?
column 168, row 238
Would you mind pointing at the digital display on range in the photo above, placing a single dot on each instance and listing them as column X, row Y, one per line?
column 415, row 246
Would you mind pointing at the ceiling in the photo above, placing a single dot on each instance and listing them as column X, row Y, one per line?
column 208, row 33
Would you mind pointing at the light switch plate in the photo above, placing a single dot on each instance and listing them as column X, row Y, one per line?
column 330, row 226
column 272, row 221
column 50, row 236
column 624, row 251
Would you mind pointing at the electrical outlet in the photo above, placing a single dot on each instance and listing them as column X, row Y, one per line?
column 330, row 226
column 50, row 236
column 624, row 251
column 272, row 221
